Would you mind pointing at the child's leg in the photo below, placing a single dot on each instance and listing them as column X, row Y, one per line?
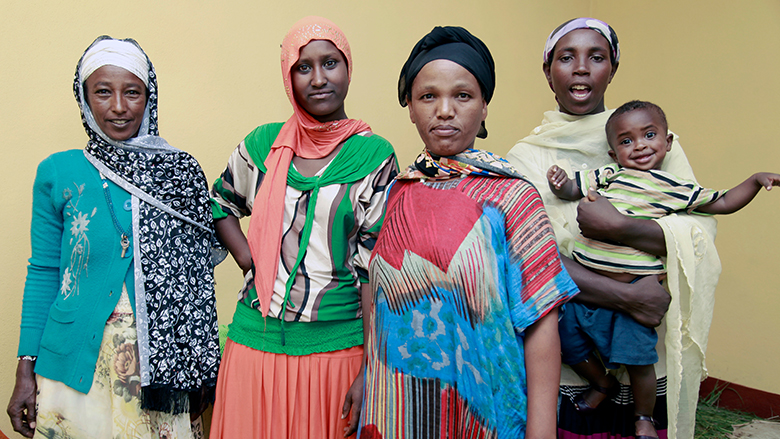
column 592, row 370
column 643, row 385
column 578, row 347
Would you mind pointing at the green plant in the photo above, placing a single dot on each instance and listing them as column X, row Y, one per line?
column 713, row 422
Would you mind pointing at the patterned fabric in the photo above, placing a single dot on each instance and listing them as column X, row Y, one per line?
column 303, row 136
column 345, row 221
column 462, row 267
column 582, row 23
column 112, row 408
column 639, row 194
column 172, row 225
column 474, row 162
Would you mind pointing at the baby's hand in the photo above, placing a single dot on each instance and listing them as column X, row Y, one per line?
column 768, row 179
column 556, row 176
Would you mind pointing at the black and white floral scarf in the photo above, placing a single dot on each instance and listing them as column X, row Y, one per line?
column 172, row 245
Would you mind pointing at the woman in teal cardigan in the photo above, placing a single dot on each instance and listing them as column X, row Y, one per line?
column 119, row 322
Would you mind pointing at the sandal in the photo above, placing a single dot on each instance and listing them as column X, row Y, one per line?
column 581, row 404
column 649, row 419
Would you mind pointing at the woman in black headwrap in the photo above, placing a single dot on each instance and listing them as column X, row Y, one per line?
column 465, row 273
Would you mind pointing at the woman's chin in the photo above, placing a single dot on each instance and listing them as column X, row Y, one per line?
column 580, row 106
column 447, row 150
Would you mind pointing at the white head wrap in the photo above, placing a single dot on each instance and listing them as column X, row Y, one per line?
column 116, row 53
column 583, row 23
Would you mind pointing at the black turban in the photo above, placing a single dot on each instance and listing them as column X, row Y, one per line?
column 459, row 46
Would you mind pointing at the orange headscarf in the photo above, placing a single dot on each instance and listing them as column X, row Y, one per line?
column 302, row 136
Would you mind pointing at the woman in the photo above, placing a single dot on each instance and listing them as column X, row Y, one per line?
column 293, row 362
column 118, row 320
column 466, row 274
column 580, row 59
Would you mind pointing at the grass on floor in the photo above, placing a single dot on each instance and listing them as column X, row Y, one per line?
column 715, row 423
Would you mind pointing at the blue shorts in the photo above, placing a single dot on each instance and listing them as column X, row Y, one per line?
column 617, row 337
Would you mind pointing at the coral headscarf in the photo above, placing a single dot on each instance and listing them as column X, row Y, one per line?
column 302, row 136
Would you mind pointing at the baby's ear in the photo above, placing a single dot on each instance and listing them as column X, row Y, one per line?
column 612, row 155
column 669, row 140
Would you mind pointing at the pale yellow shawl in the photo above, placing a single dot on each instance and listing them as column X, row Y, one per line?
column 578, row 143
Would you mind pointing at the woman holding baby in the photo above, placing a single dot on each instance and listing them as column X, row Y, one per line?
column 581, row 58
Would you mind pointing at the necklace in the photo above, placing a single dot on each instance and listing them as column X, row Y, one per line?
column 124, row 240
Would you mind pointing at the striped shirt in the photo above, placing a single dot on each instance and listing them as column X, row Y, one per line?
column 638, row 194
column 347, row 219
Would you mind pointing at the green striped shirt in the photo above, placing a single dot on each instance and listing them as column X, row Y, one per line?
column 347, row 217
column 638, row 194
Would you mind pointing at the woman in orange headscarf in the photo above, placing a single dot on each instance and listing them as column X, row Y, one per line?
column 293, row 363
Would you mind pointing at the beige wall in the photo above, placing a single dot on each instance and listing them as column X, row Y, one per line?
column 712, row 65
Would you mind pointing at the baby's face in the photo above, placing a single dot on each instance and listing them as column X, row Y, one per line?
column 639, row 140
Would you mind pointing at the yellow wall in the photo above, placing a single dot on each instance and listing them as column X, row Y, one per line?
column 712, row 65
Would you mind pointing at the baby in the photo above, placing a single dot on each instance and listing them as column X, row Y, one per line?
column 638, row 137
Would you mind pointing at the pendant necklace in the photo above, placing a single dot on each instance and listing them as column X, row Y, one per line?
column 124, row 240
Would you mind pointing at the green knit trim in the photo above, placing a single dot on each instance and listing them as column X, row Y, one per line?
column 251, row 329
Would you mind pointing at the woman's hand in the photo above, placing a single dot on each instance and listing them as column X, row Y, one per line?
column 354, row 399
column 598, row 219
column 21, row 408
column 646, row 300
column 353, row 402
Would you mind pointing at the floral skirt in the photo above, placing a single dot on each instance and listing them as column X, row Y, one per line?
column 112, row 408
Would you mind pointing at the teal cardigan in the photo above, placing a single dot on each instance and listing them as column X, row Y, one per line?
column 75, row 273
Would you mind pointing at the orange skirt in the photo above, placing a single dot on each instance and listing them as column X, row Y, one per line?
column 261, row 395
